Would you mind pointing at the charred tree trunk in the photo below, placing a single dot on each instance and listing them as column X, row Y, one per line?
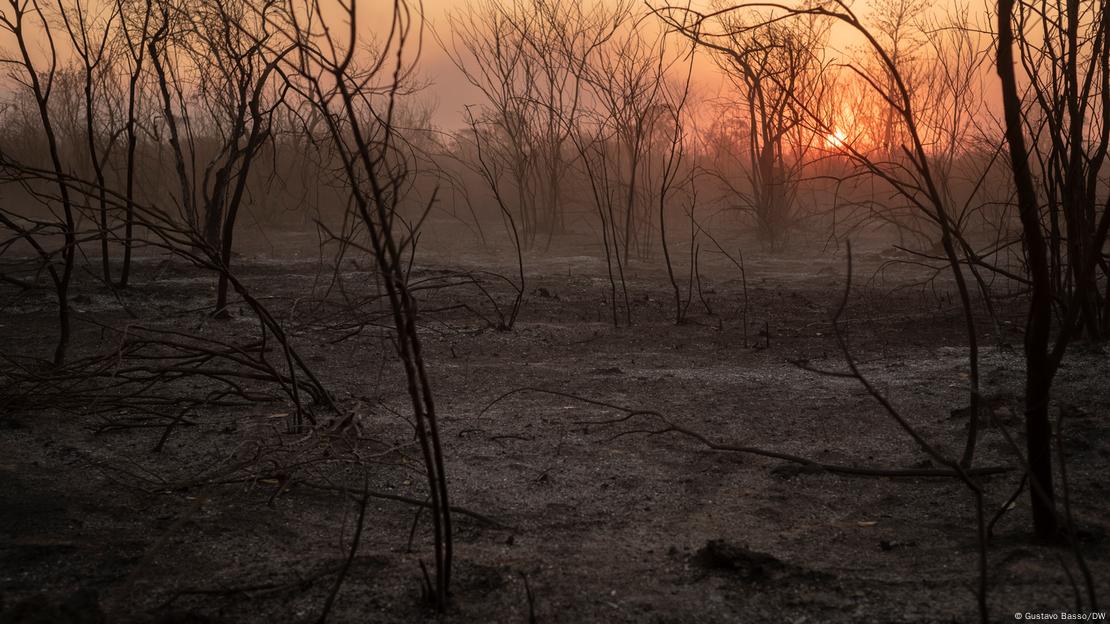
column 1039, row 370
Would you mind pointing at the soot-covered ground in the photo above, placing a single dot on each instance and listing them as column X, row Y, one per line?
column 582, row 512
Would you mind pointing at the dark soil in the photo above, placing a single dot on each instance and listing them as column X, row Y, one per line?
column 607, row 520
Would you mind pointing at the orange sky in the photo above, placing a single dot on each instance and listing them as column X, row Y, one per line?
column 451, row 91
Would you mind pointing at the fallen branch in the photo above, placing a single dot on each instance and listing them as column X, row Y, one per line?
column 669, row 427
column 407, row 500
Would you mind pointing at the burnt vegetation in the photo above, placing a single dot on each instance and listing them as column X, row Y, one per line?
column 693, row 312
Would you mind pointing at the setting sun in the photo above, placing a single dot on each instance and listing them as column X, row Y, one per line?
column 837, row 139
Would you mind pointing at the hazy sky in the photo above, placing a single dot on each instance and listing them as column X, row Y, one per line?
column 450, row 90
column 452, row 93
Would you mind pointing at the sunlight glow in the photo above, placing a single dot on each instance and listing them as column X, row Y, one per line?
column 837, row 139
